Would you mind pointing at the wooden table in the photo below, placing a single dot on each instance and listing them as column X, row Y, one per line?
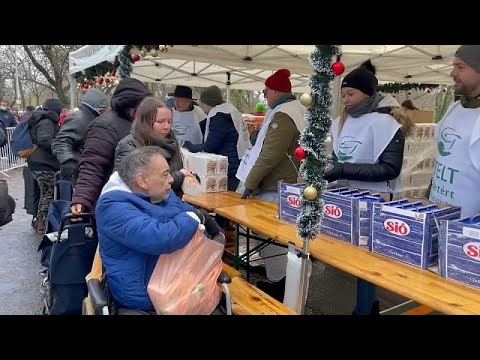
column 212, row 201
column 420, row 285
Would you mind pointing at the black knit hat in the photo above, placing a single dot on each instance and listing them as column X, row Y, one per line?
column 54, row 105
column 362, row 78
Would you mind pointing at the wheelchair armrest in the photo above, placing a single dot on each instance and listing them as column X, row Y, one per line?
column 224, row 278
column 97, row 294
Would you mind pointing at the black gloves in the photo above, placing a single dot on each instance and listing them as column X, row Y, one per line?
column 187, row 145
column 67, row 169
column 334, row 172
column 246, row 193
column 210, row 224
column 220, row 238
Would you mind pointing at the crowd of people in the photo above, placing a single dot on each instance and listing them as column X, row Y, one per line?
column 122, row 155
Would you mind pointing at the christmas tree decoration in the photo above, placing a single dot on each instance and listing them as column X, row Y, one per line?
column 310, row 193
column 306, row 99
column 312, row 141
column 153, row 52
column 300, row 153
column 409, row 93
column 338, row 68
column 116, row 82
column 136, row 57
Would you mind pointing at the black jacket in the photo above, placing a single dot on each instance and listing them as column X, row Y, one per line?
column 174, row 158
column 68, row 145
column 43, row 128
column 222, row 140
column 103, row 135
column 388, row 167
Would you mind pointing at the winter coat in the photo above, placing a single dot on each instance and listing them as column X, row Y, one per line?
column 133, row 233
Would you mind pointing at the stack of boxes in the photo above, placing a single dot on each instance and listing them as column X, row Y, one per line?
column 407, row 230
column 418, row 161
column 459, row 250
column 347, row 212
column 212, row 170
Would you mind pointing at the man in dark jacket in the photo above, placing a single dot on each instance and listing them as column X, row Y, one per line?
column 102, row 138
column 43, row 165
column 6, row 115
column 68, row 145
column 225, row 132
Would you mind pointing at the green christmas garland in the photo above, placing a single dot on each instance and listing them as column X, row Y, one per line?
column 313, row 138
column 398, row 87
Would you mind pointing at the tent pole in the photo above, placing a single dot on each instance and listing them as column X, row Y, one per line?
column 228, row 83
column 72, row 92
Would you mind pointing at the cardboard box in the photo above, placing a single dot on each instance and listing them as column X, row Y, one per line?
column 347, row 217
column 289, row 201
column 408, row 235
column 459, row 250
column 213, row 183
column 205, row 164
column 420, row 116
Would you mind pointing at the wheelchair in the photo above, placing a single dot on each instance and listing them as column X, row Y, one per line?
column 99, row 300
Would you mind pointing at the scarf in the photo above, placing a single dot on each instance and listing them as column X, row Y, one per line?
column 365, row 107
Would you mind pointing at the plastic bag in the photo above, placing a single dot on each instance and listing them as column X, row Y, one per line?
column 186, row 281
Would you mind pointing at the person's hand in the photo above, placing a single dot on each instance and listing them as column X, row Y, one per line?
column 67, row 169
column 187, row 145
column 188, row 173
column 246, row 193
column 333, row 171
column 77, row 209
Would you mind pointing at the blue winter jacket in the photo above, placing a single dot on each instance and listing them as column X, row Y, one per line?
column 133, row 233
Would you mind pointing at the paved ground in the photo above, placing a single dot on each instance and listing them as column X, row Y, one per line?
column 331, row 291
column 19, row 278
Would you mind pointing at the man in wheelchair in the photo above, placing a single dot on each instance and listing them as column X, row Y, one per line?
column 139, row 218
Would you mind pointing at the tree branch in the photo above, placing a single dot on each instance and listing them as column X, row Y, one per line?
column 38, row 65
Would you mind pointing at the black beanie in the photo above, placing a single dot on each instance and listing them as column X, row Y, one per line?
column 54, row 105
column 470, row 54
column 362, row 78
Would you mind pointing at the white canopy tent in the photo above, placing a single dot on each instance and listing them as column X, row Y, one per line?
column 247, row 67
column 250, row 65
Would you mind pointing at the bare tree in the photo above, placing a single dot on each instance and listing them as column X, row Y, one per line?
column 52, row 62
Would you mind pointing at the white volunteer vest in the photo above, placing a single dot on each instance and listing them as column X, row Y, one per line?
column 457, row 160
column 295, row 110
column 186, row 126
column 243, row 137
column 362, row 141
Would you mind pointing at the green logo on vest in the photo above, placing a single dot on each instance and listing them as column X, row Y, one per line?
column 346, row 148
column 449, row 137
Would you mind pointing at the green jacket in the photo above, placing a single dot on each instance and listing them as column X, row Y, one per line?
column 273, row 163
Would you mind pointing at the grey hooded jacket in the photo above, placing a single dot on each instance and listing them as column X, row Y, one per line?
column 68, row 145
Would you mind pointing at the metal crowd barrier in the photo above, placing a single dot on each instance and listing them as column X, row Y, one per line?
column 8, row 160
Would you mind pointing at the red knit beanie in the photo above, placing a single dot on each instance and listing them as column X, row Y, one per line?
column 280, row 81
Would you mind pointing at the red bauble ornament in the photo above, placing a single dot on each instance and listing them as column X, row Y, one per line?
column 113, row 73
column 338, row 68
column 135, row 57
column 409, row 93
column 300, row 153
column 107, row 80
column 100, row 81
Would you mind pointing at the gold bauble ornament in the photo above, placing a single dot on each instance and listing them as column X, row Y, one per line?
column 310, row 193
column 153, row 52
column 116, row 82
column 306, row 99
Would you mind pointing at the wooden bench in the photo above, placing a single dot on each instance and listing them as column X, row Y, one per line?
column 231, row 271
column 249, row 300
